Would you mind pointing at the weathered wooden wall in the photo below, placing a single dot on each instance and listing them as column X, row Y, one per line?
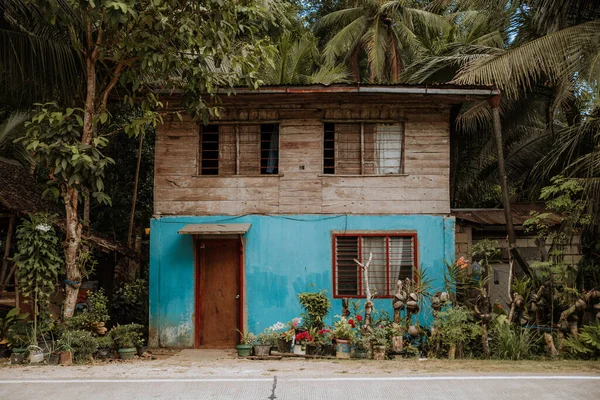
column 301, row 186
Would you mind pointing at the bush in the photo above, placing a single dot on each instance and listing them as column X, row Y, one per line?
column 316, row 307
column 456, row 325
column 94, row 317
column 80, row 342
column 127, row 336
column 130, row 303
column 587, row 345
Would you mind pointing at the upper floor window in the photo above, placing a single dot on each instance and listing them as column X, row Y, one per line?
column 236, row 149
column 363, row 148
column 394, row 258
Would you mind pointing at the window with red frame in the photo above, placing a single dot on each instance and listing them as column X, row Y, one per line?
column 394, row 257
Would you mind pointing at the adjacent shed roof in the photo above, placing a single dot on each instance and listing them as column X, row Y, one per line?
column 214, row 229
column 495, row 216
column 19, row 192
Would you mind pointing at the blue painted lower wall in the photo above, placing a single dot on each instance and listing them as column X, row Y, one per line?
column 284, row 256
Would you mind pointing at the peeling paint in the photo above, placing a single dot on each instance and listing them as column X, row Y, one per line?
column 284, row 256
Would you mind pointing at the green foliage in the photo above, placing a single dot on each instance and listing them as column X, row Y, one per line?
column 485, row 250
column 457, row 325
column 53, row 136
column 587, row 345
column 316, row 306
column 267, row 337
column 80, row 342
column 130, row 302
column 247, row 337
column 20, row 334
column 563, row 199
column 13, row 316
column 127, row 336
column 511, row 342
column 38, row 262
column 342, row 330
column 96, row 312
column 105, row 341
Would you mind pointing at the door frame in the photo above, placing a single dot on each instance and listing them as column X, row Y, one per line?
column 199, row 277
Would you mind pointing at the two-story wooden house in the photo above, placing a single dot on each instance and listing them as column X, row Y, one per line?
column 281, row 193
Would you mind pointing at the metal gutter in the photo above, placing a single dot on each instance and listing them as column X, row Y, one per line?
column 373, row 89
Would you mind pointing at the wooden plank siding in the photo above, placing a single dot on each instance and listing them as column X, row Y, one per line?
column 301, row 187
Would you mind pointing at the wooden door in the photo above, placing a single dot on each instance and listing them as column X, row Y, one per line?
column 217, row 293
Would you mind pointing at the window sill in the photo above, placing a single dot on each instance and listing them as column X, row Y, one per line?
column 360, row 176
column 239, row 176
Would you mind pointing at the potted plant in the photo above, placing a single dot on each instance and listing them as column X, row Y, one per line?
column 321, row 343
column 247, row 339
column 284, row 334
column 65, row 350
column 316, row 306
column 380, row 341
column 362, row 345
column 265, row 340
column 343, row 334
column 127, row 338
column 18, row 337
column 300, row 342
column 284, row 341
column 12, row 317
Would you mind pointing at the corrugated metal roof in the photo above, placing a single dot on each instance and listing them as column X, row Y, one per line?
column 214, row 229
column 495, row 216
column 440, row 89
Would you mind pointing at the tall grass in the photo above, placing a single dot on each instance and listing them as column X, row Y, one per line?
column 512, row 342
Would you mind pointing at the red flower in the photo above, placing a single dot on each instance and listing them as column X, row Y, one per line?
column 381, row 326
column 323, row 331
column 359, row 318
column 351, row 322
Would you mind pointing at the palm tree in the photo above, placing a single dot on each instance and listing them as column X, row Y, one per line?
column 557, row 48
column 380, row 31
column 297, row 62
column 37, row 61
column 10, row 129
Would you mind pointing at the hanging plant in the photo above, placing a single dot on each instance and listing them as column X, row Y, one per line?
column 38, row 262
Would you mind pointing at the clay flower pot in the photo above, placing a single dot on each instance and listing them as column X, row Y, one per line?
column 342, row 348
column 378, row 352
column 262, row 349
column 65, row 358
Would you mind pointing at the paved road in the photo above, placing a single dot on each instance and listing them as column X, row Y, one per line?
column 271, row 388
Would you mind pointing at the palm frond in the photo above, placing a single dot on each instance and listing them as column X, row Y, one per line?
column 555, row 55
column 345, row 40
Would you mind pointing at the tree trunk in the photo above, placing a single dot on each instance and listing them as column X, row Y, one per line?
column 484, row 340
column 495, row 104
column 452, row 352
column 73, row 228
column 72, row 242
column 550, row 345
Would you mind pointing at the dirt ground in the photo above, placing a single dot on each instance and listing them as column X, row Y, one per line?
column 223, row 363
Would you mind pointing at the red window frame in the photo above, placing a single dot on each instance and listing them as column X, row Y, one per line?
column 360, row 235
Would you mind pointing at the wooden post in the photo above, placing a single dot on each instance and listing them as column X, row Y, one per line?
column 495, row 104
column 362, row 148
column 237, row 149
column 368, row 303
column 135, row 190
column 7, row 244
